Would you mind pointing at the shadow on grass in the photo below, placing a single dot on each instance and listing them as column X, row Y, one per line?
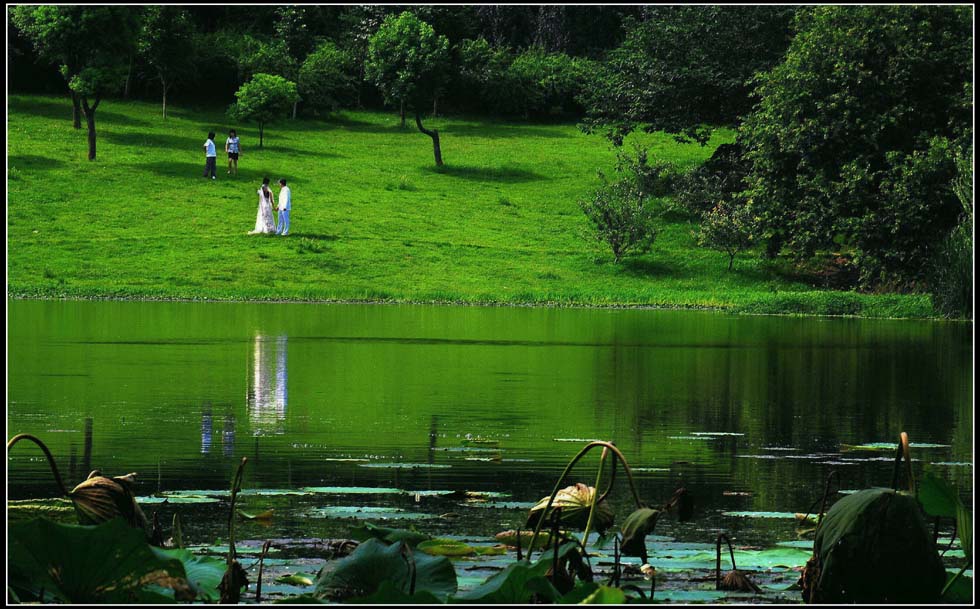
column 498, row 131
column 504, row 174
column 177, row 169
column 51, row 108
column 33, row 161
column 150, row 141
column 639, row 267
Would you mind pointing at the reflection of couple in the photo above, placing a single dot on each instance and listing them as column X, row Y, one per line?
column 267, row 395
column 264, row 223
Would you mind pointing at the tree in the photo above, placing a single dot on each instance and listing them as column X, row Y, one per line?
column 853, row 143
column 264, row 99
column 684, row 69
column 91, row 45
column 621, row 217
column 96, row 41
column 727, row 228
column 326, row 79
column 407, row 60
column 166, row 43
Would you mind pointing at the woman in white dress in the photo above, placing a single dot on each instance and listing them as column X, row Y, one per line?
column 264, row 222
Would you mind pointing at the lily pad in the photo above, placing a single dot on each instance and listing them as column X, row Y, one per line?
column 178, row 499
column 264, row 515
column 352, row 490
column 387, row 535
column 366, row 512
column 296, row 579
column 786, row 515
column 406, row 465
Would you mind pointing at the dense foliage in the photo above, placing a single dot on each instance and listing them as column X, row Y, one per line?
column 854, row 140
column 327, row 80
column 167, row 45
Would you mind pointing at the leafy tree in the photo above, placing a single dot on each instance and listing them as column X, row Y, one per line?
column 727, row 228
column 545, row 83
column 264, row 99
column 91, row 45
column 621, row 217
column 167, row 43
column 952, row 275
column 407, row 60
column 854, row 140
column 684, row 69
column 326, row 79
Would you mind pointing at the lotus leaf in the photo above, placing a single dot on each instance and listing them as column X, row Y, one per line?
column 107, row 563
column 937, row 497
column 373, row 562
column 636, row 527
column 575, row 502
column 295, row 579
column 202, row 572
column 446, row 547
column 510, row 538
column 389, row 594
column 387, row 535
column 605, row 595
column 874, row 547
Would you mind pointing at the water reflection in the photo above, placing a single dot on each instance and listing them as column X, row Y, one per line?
column 206, row 429
column 268, row 395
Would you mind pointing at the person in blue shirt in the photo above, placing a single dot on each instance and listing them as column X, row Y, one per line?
column 211, row 157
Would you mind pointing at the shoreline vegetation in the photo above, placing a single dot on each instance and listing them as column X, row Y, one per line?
column 373, row 220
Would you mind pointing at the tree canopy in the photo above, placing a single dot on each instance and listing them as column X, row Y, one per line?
column 264, row 99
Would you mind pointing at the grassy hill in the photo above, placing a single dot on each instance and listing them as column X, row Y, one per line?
column 372, row 219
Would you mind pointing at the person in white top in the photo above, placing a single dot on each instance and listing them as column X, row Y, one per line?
column 233, row 148
column 285, row 204
column 211, row 157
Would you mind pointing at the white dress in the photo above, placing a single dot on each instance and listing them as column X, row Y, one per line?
column 264, row 222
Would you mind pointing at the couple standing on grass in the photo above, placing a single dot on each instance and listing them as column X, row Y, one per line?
column 233, row 149
column 264, row 224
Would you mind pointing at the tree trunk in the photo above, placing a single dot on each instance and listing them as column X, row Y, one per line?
column 401, row 112
column 731, row 261
column 295, row 104
column 435, row 105
column 261, row 133
column 164, row 98
column 129, row 75
column 90, row 121
column 434, row 134
column 76, row 111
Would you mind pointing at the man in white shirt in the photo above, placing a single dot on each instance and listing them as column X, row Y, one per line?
column 285, row 204
column 211, row 157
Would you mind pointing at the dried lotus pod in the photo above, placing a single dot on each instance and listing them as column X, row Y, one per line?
column 739, row 582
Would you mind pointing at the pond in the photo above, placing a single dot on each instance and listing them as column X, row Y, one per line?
column 356, row 413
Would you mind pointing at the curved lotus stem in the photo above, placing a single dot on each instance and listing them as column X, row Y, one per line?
column 236, row 486
column 718, row 558
column 595, row 496
column 612, row 478
column 823, row 499
column 903, row 451
column 564, row 474
column 47, row 453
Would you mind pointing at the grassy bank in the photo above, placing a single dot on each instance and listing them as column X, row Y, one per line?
column 372, row 219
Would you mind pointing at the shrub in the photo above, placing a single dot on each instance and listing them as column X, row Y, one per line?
column 728, row 229
column 621, row 218
column 719, row 179
column 952, row 276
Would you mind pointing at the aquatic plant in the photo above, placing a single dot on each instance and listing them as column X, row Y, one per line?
column 734, row 580
column 873, row 547
column 99, row 498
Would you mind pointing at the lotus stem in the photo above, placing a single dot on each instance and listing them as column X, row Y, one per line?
column 612, row 478
column 519, row 545
column 47, row 453
column 555, row 520
column 903, row 451
column 826, row 493
column 236, row 486
column 952, row 538
column 718, row 558
column 616, row 562
column 564, row 474
column 258, row 584
column 954, row 578
column 406, row 553
column 595, row 497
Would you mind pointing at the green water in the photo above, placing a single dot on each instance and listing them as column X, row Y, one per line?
column 749, row 413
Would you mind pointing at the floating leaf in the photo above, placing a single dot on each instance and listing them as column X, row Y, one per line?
column 373, row 531
column 266, row 515
column 374, row 562
column 787, row 515
column 354, row 511
column 874, row 547
column 575, row 502
column 510, row 538
column 352, row 490
column 406, row 465
column 178, row 499
column 295, row 579
column 446, row 547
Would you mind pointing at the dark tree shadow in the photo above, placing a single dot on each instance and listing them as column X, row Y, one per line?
column 487, row 174
column 177, row 169
column 641, row 267
column 32, row 161
column 61, row 109
column 150, row 141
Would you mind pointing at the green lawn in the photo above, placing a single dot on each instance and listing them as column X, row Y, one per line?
column 371, row 218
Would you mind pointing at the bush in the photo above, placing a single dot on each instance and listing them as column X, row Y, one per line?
column 326, row 79
column 621, row 218
column 952, row 276
column 656, row 180
column 728, row 229
column 720, row 179
column 539, row 83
